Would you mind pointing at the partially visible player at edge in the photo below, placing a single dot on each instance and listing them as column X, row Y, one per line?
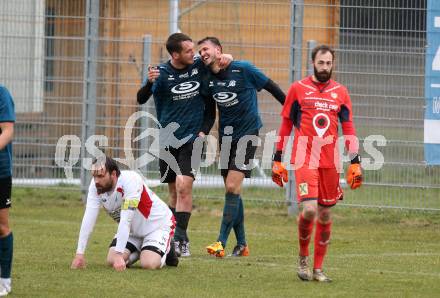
column 314, row 105
column 175, row 86
column 145, row 223
column 7, row 120
column 234, row 90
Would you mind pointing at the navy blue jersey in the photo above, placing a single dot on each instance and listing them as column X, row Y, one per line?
column 7, row 114
column 178, row 99
column 235, row 92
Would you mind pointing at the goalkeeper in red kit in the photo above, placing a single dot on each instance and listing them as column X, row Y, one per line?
column 314, row 106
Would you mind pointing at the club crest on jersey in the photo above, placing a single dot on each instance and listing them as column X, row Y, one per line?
column 321, row 123
column 334, row 95
column 194, row 72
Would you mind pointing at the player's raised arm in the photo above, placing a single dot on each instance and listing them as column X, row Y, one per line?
column 146, row 90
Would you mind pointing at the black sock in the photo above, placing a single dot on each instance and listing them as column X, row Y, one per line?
column 182, row 219
column 6, row 252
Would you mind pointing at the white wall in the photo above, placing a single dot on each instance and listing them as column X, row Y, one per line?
column 22, row 52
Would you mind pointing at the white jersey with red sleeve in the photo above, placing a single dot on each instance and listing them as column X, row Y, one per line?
column 137, row 209
column 315, row 110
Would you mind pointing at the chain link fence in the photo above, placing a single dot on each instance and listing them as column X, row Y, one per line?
column 74, row 68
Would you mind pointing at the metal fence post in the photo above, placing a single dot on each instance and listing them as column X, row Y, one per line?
column 174, row 16
column 149, row 105
column 296, row 36
column 311, row 44
column 91, row 44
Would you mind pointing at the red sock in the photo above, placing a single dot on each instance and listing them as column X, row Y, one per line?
column 322, row 239
column 305, row 228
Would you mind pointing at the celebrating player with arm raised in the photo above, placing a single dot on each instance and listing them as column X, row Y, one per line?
column 234, row 89
column 175, row 86
column 314, row 105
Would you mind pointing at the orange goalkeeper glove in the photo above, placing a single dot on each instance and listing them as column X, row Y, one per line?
column 279, row 172
column 354, row 173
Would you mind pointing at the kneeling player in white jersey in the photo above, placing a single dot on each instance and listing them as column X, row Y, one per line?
column 146, row 224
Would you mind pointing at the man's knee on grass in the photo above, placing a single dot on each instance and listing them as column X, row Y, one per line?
column 150, row 259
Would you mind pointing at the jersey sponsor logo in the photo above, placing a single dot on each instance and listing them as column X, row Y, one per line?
column 185, row 87
column 226, row 99
column 222, row 97
column 325, row 106
column 303, row 189
column 321, row 123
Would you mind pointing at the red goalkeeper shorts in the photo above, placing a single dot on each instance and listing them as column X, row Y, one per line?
column 321, row 184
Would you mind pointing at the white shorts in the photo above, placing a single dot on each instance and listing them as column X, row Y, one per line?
column 157, row 241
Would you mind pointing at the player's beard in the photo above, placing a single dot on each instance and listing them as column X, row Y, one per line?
column 103, row 188
column 322, row 76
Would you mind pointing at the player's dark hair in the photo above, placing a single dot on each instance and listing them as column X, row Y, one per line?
column 174, row 42
column 110, row 164
column 213, row 40
column 323, row 49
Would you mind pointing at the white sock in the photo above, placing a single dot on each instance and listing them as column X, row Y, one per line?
column 6, row 283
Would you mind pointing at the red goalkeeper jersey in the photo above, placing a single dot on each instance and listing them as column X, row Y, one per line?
column 315, row 110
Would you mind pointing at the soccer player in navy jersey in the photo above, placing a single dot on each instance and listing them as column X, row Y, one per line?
column 7, row 120
column 175, row 86
column 234, row 89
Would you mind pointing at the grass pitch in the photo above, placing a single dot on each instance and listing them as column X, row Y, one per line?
column 373, row 253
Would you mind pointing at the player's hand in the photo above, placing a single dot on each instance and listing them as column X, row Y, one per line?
column 153, row 73
column 79, row 262
column 279, row 173
column 119, row 263
column 354, row 174
column 225, row 60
